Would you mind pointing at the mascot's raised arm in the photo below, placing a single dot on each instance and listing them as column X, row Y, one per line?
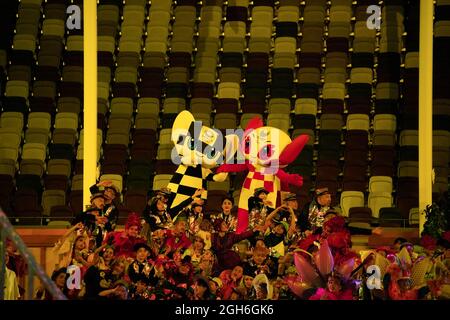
column 198, row 149
column 266, row 151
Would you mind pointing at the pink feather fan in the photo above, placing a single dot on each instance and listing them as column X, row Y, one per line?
column 324, row 259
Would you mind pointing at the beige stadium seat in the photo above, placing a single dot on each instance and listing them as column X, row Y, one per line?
column 225, row 121
column 205, row 118
column 334, row 91
column 122, row 106
column 163, row 5
column 66, row 120
column 133, row 15
column 201, row 105
column 339, row 30
column 52, row 198
column 285, row 45
column 308, row 75
column 384, row 138
column 228, row 74
column 331, row 122
column 358, row 122
column 384, row 122
column 164, row 152
column 165, row 137
column 148, row 106
column 279, row 105
column 387, row 90
column 219, row 186
column 77, row 182
column 262, row 16
column 59, row 167
column 378, row 200
column 361, row 31
column 126, row 74
column 361, row 75
column 72, row 73
column 12, row 120
column 74, row 43
column 409, row 138
column 178, row 75
column 7, row 165
column 284, row 60
column 306, row 106
column 288, row 14
column 350, row 199
column 17, row 72
column 34, row 151
column 161, row 181
column 16, row 88
column 24, row 42
column 412, row 60
column 53, row 27
column 408, row 169
column 174, row 105
column 280, row 121
column 380, row 184
column 363, row 45
column 107, row 12
column 160, row 18
column 69, row 104
column 106, row 43
column 414, row 216
column 229, row 90
column 335, row 75
column 147, row 121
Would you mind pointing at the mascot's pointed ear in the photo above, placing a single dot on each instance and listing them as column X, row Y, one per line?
column 255, row 123
column 181, row 125
column 293, row 149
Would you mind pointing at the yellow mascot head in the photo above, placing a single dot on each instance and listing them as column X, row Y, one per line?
column 196, row 144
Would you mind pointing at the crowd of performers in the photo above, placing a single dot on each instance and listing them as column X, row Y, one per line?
column 286, row 253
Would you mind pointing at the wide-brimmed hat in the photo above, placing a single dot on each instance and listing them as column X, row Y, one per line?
column 165, row 192
column 321, row 191
column 114, row 188
column 97, row 195
column 140, row 245
column 290, row 197
column 260, row 190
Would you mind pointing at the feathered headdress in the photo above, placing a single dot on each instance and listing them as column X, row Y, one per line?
column 405, row 268
column 133, row 220
column 335, row 224
column 315, row 273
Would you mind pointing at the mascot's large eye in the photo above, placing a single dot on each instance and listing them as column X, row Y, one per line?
column 266, row 152
column 247, row 145
column 211, row 154
column 191, row 143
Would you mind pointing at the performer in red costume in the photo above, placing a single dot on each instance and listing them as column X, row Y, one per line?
column 124, row 241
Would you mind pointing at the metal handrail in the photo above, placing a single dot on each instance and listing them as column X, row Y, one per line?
column 34, row 269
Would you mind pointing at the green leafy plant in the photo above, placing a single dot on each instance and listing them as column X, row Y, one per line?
column 436, row 222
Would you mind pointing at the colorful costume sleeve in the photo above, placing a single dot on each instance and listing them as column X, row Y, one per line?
column 232, row 168
column 288, row 178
